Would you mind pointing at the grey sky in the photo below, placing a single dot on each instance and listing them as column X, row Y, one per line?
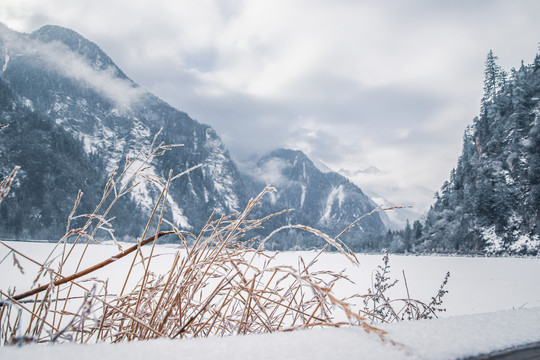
column 354, row 84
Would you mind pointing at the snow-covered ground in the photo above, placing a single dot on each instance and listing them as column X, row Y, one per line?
column 509, row 286
column 449, row 338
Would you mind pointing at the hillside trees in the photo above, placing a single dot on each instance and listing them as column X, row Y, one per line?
column 490, row 202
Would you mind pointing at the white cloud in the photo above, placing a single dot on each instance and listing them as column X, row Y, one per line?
column 60, row 58
column 271, row 172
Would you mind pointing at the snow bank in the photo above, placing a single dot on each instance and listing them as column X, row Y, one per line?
column 447, row 338
column 460, row 336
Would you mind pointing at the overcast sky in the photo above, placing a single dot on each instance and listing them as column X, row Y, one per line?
column 380, row 91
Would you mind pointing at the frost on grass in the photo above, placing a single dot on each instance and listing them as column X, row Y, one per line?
column 379, row 307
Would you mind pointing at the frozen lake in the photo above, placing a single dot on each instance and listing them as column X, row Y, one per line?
column 476, row 285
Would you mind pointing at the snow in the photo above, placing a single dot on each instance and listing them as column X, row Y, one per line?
column 457, row 337
column 142, row 193
column 6, row 61
column 494, row 243
column 273, row 198
column 28, row 103
column 507, row 177
column 477, row 284
column 218, row 170
column 493, row 303
column 524, row 243
column 337, row 193
column 179, row 218
column 140, row 130
column 525, row 142
column 427, row 339
column 59, row 107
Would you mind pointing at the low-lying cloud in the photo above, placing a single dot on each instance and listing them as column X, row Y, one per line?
column 60, row 58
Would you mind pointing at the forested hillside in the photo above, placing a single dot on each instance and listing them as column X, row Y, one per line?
column 491, row 202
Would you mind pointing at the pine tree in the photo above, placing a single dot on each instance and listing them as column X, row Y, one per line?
column 494, row 80
column 408, row 237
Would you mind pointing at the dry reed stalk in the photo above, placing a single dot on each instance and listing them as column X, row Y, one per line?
column 21, row 306
column 47, row 296
column 5, row 185
column 111, row 188
column 132, row 169
column 86, row 271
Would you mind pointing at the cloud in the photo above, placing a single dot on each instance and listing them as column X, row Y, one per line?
column 270, row 172
column 59, row 57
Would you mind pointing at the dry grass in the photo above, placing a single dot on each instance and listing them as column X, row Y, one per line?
column 6, row 183
column 219, row 285
column 379, row 307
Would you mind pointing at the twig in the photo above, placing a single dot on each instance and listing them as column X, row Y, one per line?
column 90, row 269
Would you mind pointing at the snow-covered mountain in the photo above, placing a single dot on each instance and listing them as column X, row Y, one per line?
column 77, row 90
column 74, row 116
column 323, row 200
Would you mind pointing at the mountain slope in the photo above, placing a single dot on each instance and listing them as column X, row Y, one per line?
column 66, row 80
column 325, row 201
column 492, row 201
column 43, row 184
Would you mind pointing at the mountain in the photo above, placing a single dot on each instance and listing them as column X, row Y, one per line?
column 73, row 89
column 491, row 202
column 74, row 117
column 323, row 200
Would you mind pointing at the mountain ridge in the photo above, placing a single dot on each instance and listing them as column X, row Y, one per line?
column 323, row 200
column 78, row 44
column 70, row 84
column 113, row 118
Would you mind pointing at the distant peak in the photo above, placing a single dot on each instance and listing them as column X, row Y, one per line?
column 4, row 29
column 55, row 32
column 71, row 38
column 76, row 43
column 287, row 154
